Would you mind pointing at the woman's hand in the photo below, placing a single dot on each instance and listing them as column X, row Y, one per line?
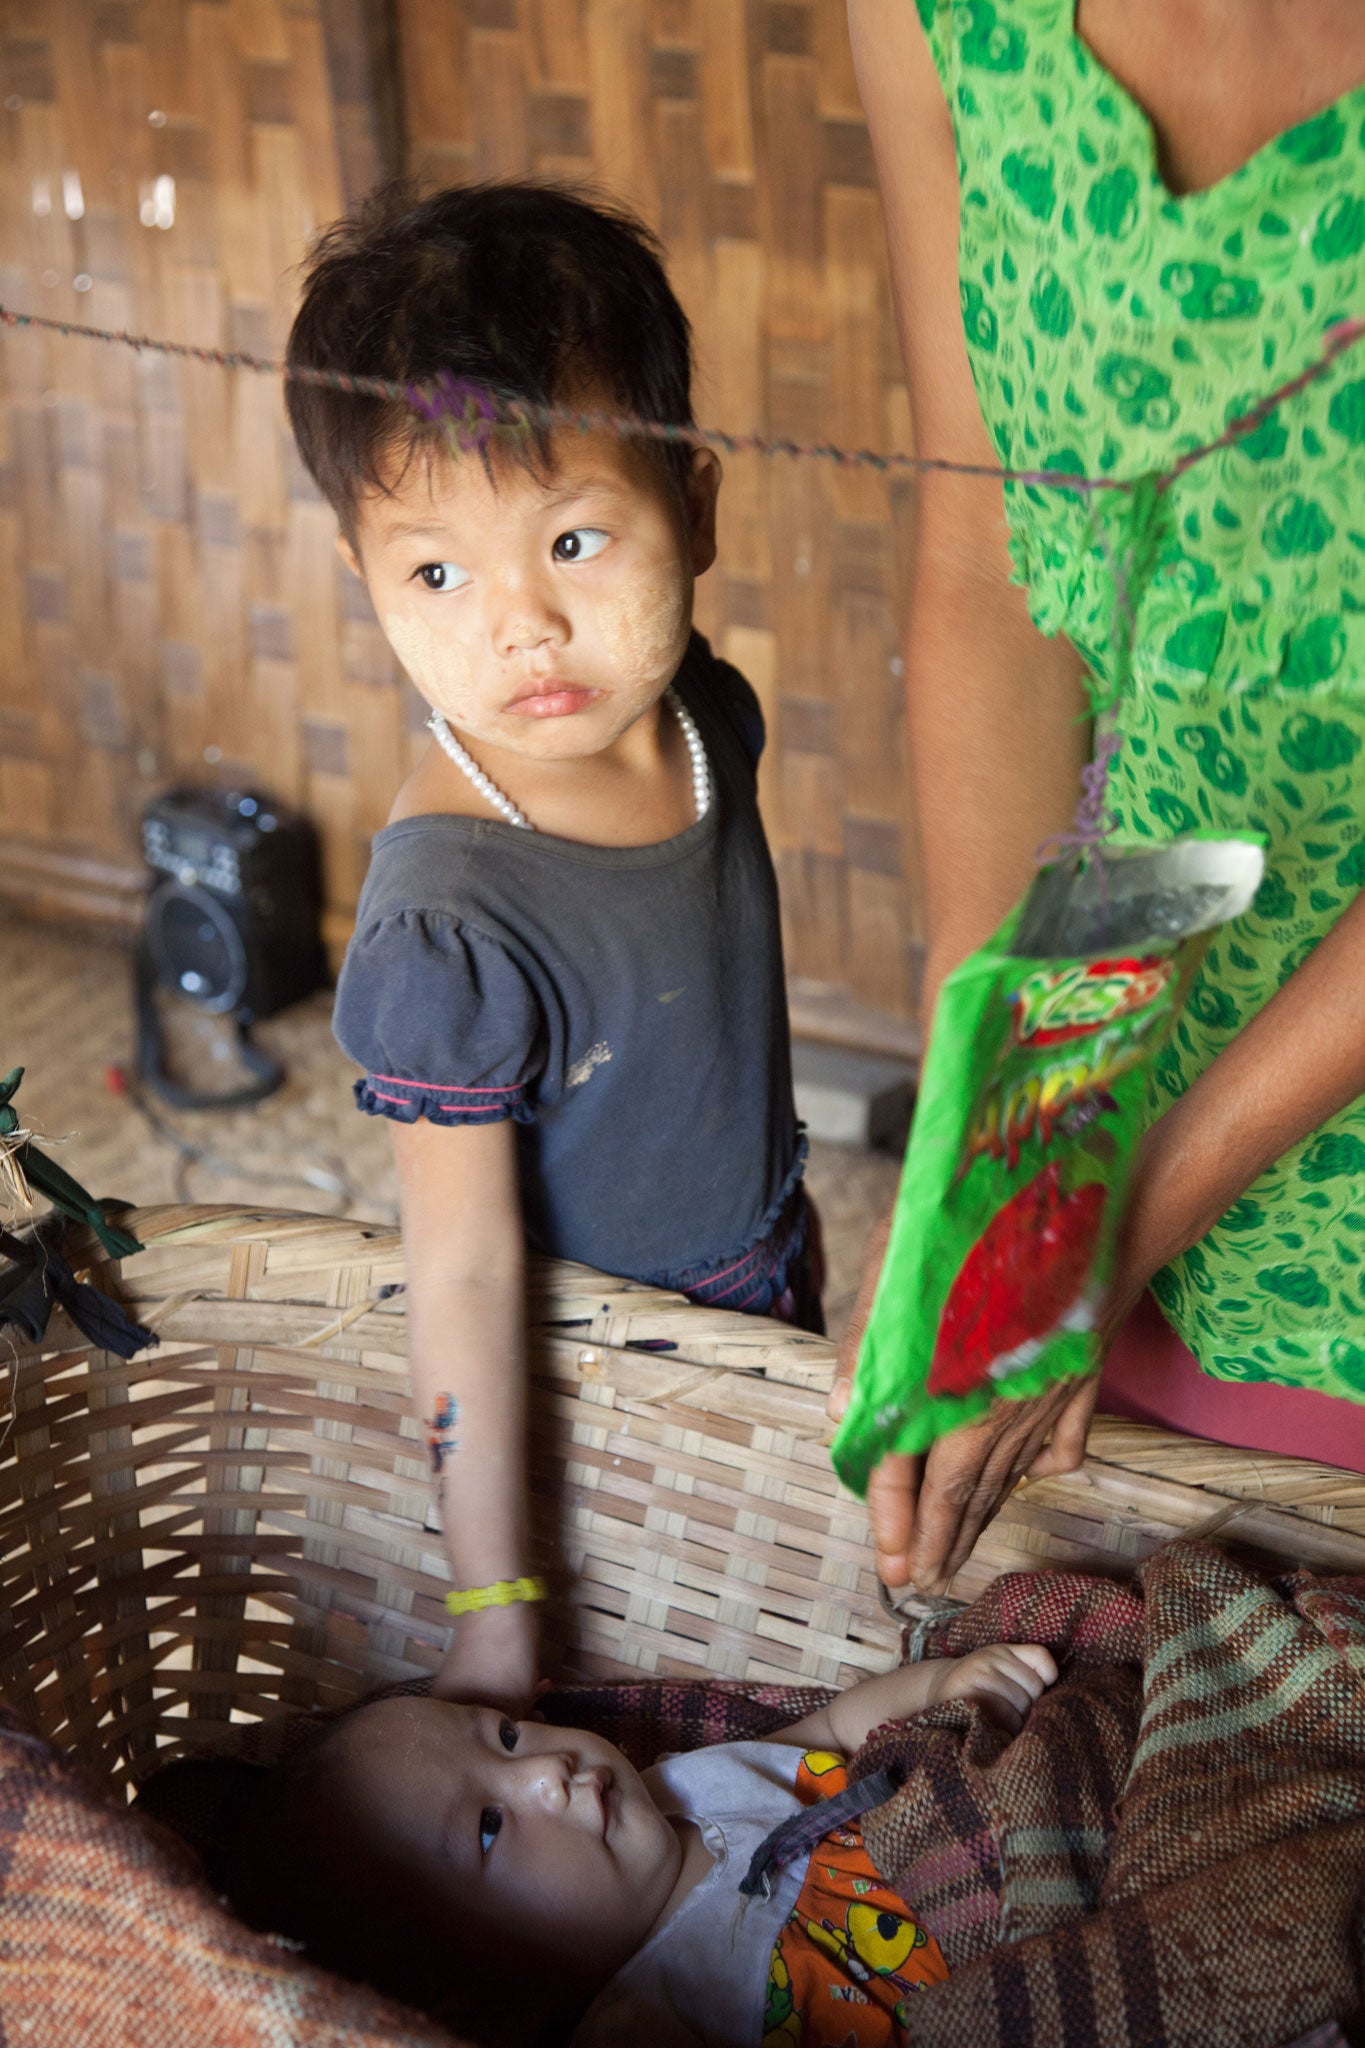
column 927, row 1512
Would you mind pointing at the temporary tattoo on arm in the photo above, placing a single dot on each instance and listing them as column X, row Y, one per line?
column 442, row 1442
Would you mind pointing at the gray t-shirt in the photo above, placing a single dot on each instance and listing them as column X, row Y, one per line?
column 626, row 1006
column 701, row 1981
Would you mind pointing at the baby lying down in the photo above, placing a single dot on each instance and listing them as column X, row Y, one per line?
column 527, row 1884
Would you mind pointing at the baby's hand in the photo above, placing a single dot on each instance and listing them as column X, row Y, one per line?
column 1006, row 1679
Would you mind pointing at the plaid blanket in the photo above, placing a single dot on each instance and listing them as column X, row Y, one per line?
column 1172, row 1854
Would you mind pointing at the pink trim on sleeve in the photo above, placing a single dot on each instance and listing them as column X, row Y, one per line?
column 441, row 1087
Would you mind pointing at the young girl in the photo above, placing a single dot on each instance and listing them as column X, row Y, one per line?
column 1113, row 229
column 565, row 984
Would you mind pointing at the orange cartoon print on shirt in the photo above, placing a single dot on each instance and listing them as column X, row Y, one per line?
column 851, row 1955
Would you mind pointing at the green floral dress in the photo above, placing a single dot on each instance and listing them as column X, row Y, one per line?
column 1111, row 327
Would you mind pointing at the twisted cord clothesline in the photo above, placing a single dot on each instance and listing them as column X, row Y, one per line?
column 476, row 409
column 471, row 411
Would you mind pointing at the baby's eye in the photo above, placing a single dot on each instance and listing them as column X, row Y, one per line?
column 508, row 1733
column 580, row 545
column 490, row 1821
column 443, row 575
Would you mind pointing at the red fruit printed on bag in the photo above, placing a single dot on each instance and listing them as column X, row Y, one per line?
column 1027, row 1269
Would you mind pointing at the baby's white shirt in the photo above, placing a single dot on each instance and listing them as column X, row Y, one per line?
column 700, row 1982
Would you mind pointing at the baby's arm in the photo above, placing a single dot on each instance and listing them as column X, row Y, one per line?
column 1007, row 1678
column 462, row 1232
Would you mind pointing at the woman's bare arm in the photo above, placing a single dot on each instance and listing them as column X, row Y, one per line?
column 997, row 713
column 1293, row 1065
column 997, row 721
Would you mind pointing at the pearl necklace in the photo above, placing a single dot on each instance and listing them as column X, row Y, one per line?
column 505, row 808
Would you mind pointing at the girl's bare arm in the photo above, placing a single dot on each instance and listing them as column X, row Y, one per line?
column 462, row 1233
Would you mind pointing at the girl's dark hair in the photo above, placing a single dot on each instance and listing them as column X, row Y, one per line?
column 526, row 290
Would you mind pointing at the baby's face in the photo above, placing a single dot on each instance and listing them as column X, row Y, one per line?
column 539, row 611
column 544, row 1841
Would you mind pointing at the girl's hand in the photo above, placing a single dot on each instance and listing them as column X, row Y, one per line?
column 493, row 1660
column 1004, row 1679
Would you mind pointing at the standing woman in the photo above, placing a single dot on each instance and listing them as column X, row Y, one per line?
column 1112, row 229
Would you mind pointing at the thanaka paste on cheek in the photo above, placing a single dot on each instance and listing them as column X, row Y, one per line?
column 438, row 663
column 640, row 627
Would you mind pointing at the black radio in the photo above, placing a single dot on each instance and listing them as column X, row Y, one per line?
column 233, row 919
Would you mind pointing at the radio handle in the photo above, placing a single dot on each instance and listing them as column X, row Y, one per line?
column 151, row 1050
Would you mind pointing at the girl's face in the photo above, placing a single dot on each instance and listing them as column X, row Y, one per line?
column 540, row 612
column 544, row 1841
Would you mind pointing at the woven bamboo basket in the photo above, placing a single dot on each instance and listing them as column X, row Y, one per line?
column 236, row 1523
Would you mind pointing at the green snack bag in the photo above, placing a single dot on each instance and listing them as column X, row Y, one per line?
column 1031, row 1104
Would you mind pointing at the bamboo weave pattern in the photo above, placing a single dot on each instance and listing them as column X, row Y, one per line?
column 236, row 1522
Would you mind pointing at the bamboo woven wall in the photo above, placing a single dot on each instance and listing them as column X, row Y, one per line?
column 171, row 604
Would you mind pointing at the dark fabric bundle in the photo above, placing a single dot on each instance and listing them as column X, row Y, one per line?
column 1173, row 1851
column 34, row 1277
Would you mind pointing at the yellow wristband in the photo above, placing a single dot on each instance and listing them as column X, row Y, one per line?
column 505, row 1593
